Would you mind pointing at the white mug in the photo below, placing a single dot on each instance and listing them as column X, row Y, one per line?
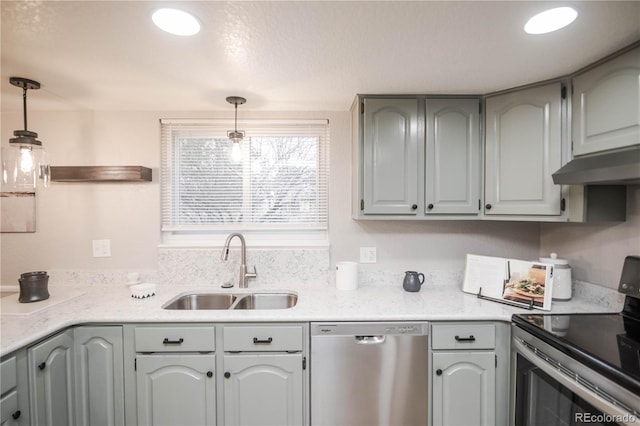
column 133, row 277
column 347, row 275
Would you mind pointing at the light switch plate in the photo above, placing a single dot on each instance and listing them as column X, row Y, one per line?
column 101, row 248
column 368, row 255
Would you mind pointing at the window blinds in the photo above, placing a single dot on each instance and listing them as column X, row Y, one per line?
column 280, row 182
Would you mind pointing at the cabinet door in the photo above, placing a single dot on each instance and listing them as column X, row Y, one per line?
column 606, row 105
column 464, row 388
column 452, row 171
column 390, row 160
column 99, row 374
column 176, row 389
column 51, row 381
column 523, row 149
column 262, row 389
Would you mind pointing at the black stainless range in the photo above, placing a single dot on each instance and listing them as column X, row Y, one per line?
column 573, row 369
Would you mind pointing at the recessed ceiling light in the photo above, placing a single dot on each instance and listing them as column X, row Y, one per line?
column 551, row 20
column 176, row 22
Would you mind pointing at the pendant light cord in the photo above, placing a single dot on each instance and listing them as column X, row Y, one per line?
column 236, row 118
column 24, row 106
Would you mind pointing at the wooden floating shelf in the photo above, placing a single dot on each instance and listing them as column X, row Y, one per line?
column 100, row 174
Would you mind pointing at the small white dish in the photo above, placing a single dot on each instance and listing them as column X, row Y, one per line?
column 133, row 282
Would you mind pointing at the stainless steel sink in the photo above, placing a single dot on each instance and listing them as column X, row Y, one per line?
column 202, row 301
column 267, row 301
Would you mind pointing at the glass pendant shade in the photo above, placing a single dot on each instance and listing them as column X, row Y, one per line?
column 24, row 162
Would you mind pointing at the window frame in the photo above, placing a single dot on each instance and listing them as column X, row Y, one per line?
column 273, row 235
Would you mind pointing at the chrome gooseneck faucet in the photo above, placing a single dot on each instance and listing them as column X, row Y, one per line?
column 244, row 275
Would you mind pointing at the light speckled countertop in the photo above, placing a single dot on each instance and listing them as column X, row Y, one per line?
column 382, row 302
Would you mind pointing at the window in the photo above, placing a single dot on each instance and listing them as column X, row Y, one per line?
column 275, row 186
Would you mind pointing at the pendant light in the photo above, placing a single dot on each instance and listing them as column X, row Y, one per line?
column 24, row 162
column 236, row 136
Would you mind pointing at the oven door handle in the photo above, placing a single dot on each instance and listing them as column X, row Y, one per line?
column 597, row 401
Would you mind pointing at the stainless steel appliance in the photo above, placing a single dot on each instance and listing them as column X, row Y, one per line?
column 579, row 368
column 369, row 373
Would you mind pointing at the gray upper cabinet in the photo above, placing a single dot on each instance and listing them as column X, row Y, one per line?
column 453, row 165
column 523, row 148
column 390, row 156
column 51, row 380
column 606, row 105
column 416, row 157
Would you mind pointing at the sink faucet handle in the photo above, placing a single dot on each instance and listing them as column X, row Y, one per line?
column 253, row 274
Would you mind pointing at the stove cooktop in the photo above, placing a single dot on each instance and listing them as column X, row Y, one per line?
column 607, row 343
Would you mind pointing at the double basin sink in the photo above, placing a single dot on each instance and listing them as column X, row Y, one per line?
column 261, row 300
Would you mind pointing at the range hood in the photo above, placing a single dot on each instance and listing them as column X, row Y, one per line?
column 618, row 167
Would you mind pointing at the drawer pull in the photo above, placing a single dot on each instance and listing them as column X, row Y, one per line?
column 465, row 339
column 42, row 365
column 439, row 372
column 167, row 341
column 227, row 375
column 16, row 415
column 257, row 341
column 209, row 374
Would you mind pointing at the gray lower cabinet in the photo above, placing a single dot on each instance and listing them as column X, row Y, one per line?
column 464, row 388
column 51, row 381
column 14, row 408
column 175, row 369
column 469, row 373
column 263, row 389
column 264, row 381
column 176, row 389
column 99, row 375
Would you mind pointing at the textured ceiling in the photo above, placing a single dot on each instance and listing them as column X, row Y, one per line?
column 290, row 55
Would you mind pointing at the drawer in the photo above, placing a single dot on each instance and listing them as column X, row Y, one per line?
column 9, row 407
column 263, row 338
column 175, row 339
column 463, row 336
column 8, row 375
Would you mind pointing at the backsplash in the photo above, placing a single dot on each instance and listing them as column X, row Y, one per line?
column 275, row 267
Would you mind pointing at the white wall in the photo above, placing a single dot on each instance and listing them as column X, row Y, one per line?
column 70, row 215
column 596, row 252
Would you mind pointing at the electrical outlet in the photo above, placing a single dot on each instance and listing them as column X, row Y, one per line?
column 368, row 255
column 101, row 248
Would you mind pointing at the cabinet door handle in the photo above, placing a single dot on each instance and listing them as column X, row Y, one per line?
column 227, row 375
column 42, row 365
column 414, row 207
column 16, row 415
column 488, row 207
column 430, row 207
column 257, row 341
column 465, row 339
column 209, row 374
column 439, row 372
column 167, row 341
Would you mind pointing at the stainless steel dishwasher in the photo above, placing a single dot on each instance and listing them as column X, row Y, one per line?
column 369, row 373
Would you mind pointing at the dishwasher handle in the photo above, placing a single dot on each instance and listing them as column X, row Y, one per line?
column 370, row 340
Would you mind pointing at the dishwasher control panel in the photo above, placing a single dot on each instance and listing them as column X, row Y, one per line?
column 369, row 328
